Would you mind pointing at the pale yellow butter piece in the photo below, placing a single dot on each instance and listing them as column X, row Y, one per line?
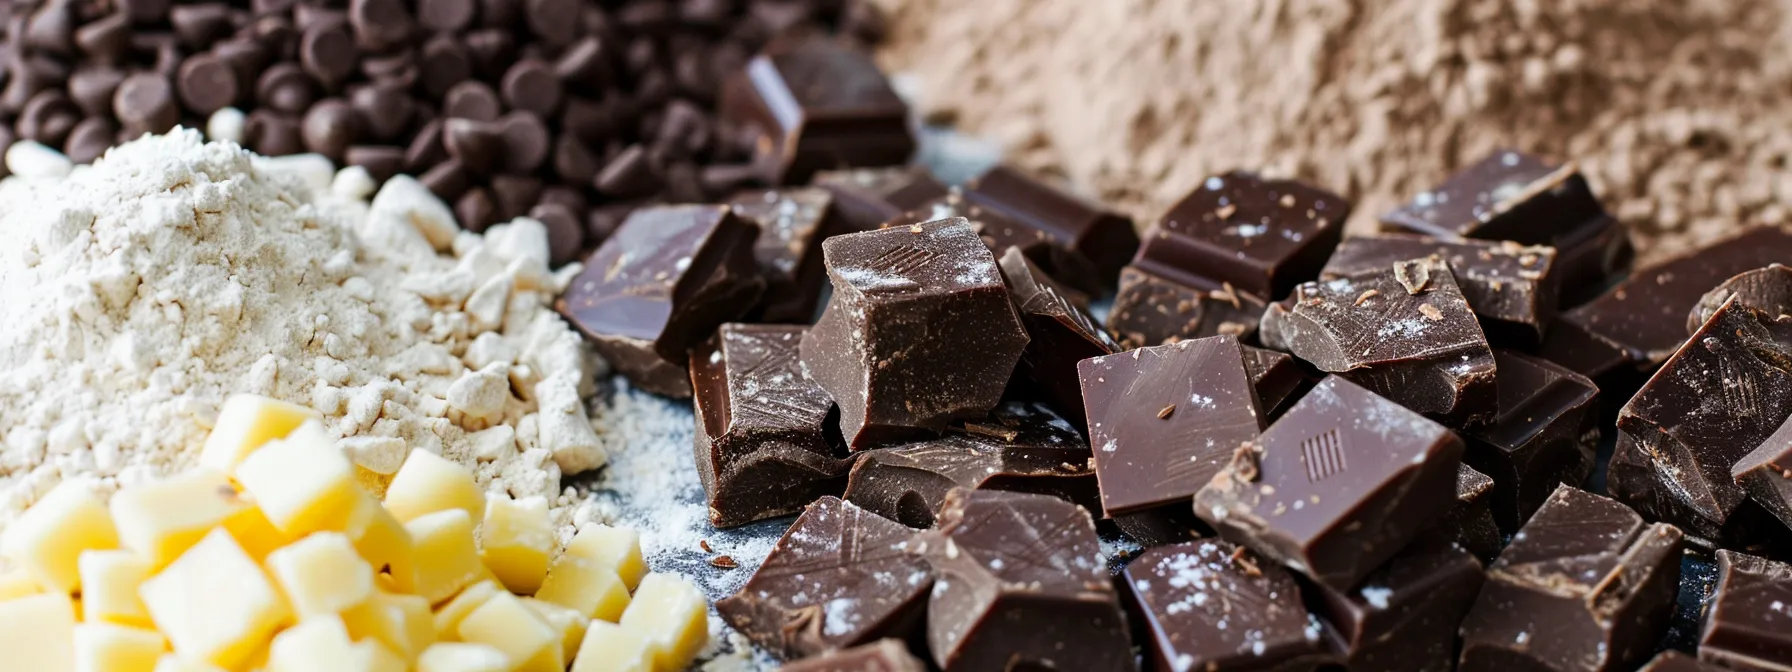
column 618, row 547
column 162, row 519
column 428, row 483
column 321, row 574
column 314, row 645
column 174, row 663
column 612, row 648
column 590, row 587
column 214, row 603
column 37, row 634
column 302, row 482
column 462, row 657
column 447, row 619
column 15, row 583
column 107, row 647
column 382, row 540
column 254, row 532
column 402, row 623
column 247, row 421
column 447, row 558
column 47, row 540
column 505, row 623
column 516, row 541
column 374, row 657
column 672, row 614
column 109, row 583
column 569, row 622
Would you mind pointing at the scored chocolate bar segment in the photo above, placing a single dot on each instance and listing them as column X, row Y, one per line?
column 1152, row 310
column 1278, row 378
column 1470, row 522
column 1544, row 435
column 920, row 331
column 1022, row 585
column 792, row 223
column 1164, row 419
column 1210, row 605
column 820, row 104
column 868, row 197
column 1102, row 236
column 1511, row 287
column 1586, row 585
column 884, row 655
column 1337, row 486
column 1000, row 232
column 1259, row 235
column 1403, row 331
column 838, row 578
column 1021, row 447
column 1766, row 473
column 1748, row 623
column 1403, row 617
column 1062, row 334
column 1767, row 289
column 661, row 284
column 762, row 428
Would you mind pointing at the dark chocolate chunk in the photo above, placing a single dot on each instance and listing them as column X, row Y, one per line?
column 1061, row 333
column 821, row 105
column 1675, row 661
column 1403, row 331
column 1260, row 236
column 1102, row 236
column 1765, row 473
column 1163, row 526
column 884, row 655
column 1767, row 289
column 868, row 197
column 1511, row 287
column 792, row 223
column 660, row 285
column 1748, row 622
column 1154, row 310
column 1470, row 522
column 1001, row 232
column 840, row 577
column 1586, row 585
column 1278, row 378
column 1544, row 435
column 1164, row 419
column 1337, row 486
column 1021, row 585
column 1209, row 605
column 1403, row 617
column 919, row 332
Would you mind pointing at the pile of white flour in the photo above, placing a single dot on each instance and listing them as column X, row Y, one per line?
column 137, row 293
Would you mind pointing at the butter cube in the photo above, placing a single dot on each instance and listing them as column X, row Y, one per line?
column 15, row 583
column 613, row 648
column 428, row 483
column 37, row 633
column 254, row 532
column 448, row 618
column 671, row 614
column 402, row 623
column 109, row 583
column 382, row 540
column 462, row 657
column 517, row 540
column 302, row 482
column 505, row 623
column 214, row 603
column 105, row 647
column 374, row 657
column 568, row 622
column 247, row 421
column 162, row 519
column 47, row 540
column 315, row 644
column 321, row 574
column 587, row 586
column 174, row 663
column 447, row 558
column 620, row 548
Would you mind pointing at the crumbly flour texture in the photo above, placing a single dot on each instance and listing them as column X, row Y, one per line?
column 136, row 294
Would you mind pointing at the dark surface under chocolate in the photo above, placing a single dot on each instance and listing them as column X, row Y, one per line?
column 1511, row 287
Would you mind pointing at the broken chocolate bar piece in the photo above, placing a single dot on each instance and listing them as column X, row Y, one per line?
column 1102, row 236
column 868, row 197
column 792, row 223
column 1162, row 526
column 1766, row 473
column 1403, row 617
column 1210, row 605
column 1337, row 486
column 1278, row 378
column 1022, row 585
column 1767, row 289
column 840, row 577
column 1021, row 447
column 884, row 655
column 1544, row 435
column 818, row 104
column 662, row 284
column 1470, row 522
column 1152, row 310
column 1164, row 419
column 1748, row 623
column 920, row 331
column 1723, row 394
column 1260, row 236
column 1403, row 331
column 1512, row 287
column 762, row 428
column 1062, row 334
column 1000, row 232
column 1675, row 661
column 1586, row 585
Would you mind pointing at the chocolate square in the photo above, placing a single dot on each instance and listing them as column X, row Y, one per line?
column 1261, row 236
column 1209, row 605
column 1544, row 435
column 1748, row 622
column 868, row 197
column 1278, row 378
column 792, row 223
column 1403, row 617
column 1062, row 334
column 1767, row 289
column 1000, row 232
column 1102, row 236
column 1511, row 287
column 820, row 104
column 884, row 655
column 1153, row 310
column 1765, row 473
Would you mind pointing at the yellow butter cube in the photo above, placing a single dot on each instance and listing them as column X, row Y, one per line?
column 620, row 548
column 106, row 647
column 569, row 622
column 109, row 583
column 173, row 663
column 321, row 574
column 516, row 541
column 315, row 644
column 612, row 648
column 374, row 657
column 428, row 483
column 247, row 421
column 47, row 540
column 15, row 583
column 506, row 624
column 448, row 618
column 37, row 633
column 590, row 587
column 447, row 558
column 462, row 657
column 382, row 540
column 302, row 482
column 403, row 623
column 672, row 614
column 162, row 519
column 254, row 532
column 214, row 603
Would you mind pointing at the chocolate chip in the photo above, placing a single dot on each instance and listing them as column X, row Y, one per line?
column 447, row 180
column 565, row 232
column 327, row 51
column 26, row 77
column 199, row 25
column 556, row 22
column 91, row 89
column 266, row 7
column 145, row 11
column 645, row 17
column 629, row 174
column 246, row 57
column 277, row 34
column 641, row 56
column 575, row 164
column 444, row 63
column 573, row 199
column 106, row 39
column 514, row 195
column 396, row 70
column 48, row 118
column 445, row 16
column 89, row 139
column 272, row 134
column 380, row 161
column 475, row 210
column 476, row 144
column 206, row 84
column 385, row 110
column 472, row 99
column 589, row 121
column 51, row 28
column 493, row 51
column 499, row 13
column 585, row 63
column 426, row 148
column 379, row 24
column 530, row 85
column 683, row 131
column 306, row 16
column 723, row 178
column 526, row 142
column 707, row 13
column 285, row 88
column 683, row 184
column 603, row 220
column 329, row 128
column 144, row 103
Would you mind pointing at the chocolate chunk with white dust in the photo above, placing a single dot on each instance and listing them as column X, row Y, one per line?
column 1748, row 623
column 1512, row 287
column 1210, row 605
column 868, row 197
column 1767, row 289
column 792, row 223
column 1154, row 310
column 1260, row 236
column 1403, row 617
column 1103, row 236
column 1062, row 334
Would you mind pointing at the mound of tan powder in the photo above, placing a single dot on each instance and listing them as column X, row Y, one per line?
column 1679, row 111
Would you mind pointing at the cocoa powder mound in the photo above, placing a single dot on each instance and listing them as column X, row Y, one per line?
column 1677, row 110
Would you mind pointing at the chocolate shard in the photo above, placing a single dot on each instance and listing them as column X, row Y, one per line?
column 840, row 577
column 1586, row 585
column 1403, row 618
column 1062, row 334
column 1104, row 237
column 1278, row 378
column 1675, row 661
column 1765, row 473
column 762, row 440
column 1210, row 605
column 1261, row 236
column 792, row 223
column 868, row 197
column 1403, row 331
column 1511, row 287
column 820, row 104
column 1767, row 289
column 1022, row 585
column 1000, row 232
column 1723, row 394
column 1164, row 419
column 1162, row 526
column 1021, row 447
column 1470, row 522
column 1544, row 435
column 662, row 284
column 1748, row 623
column 920, row 331
column 884, row 655
column 1337, row 486
column 1153, row 310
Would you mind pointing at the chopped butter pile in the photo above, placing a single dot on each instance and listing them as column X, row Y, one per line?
column 233, row 569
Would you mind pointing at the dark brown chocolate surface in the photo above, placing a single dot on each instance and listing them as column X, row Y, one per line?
column 762, row 441
column 1765, row 473
column 1153, row 310
column 792, row 223
column 1022, row 585
column 1585, row 585
column 1337, row 486
column 662, row 284
column 1675, row 661
column 1470, row 522
column 1261, row 236
column 884, row 655
column 1748, row 623
column 1403, row 331
column 1062, row 334
column 1210, row 605
column 1278, row 378
column 920, row 331
column 1000, row 232
column 868, row 197
column 1164, row 419
column 838, row 578
column 1403, row 617
column 820, row 104
column 1544, row 435
column 1767, row 289
column 1102, row 236
column 1512, row 287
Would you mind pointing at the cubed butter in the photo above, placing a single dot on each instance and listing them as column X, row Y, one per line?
column 447, row 558
column 617, row 547
column 162, row 519
column 214, row 603
column 428, row 483
column 516, row 541
column 672, row 614
column 315, row 644
column 247, row 421
column 302, row 482
column 47, row 540
column 402, row 623
column 383, row 541
column 622, row 650
column 447, row 619
column 109, row 583
column 254, row 532
column 587, row 586
column 374, row 657
column 37, row 633
column 15, row 583
column 462, row 657
column 174, row 663
column 569, row 622
column 505, row 623
column 321, row 574
column 106, row 647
